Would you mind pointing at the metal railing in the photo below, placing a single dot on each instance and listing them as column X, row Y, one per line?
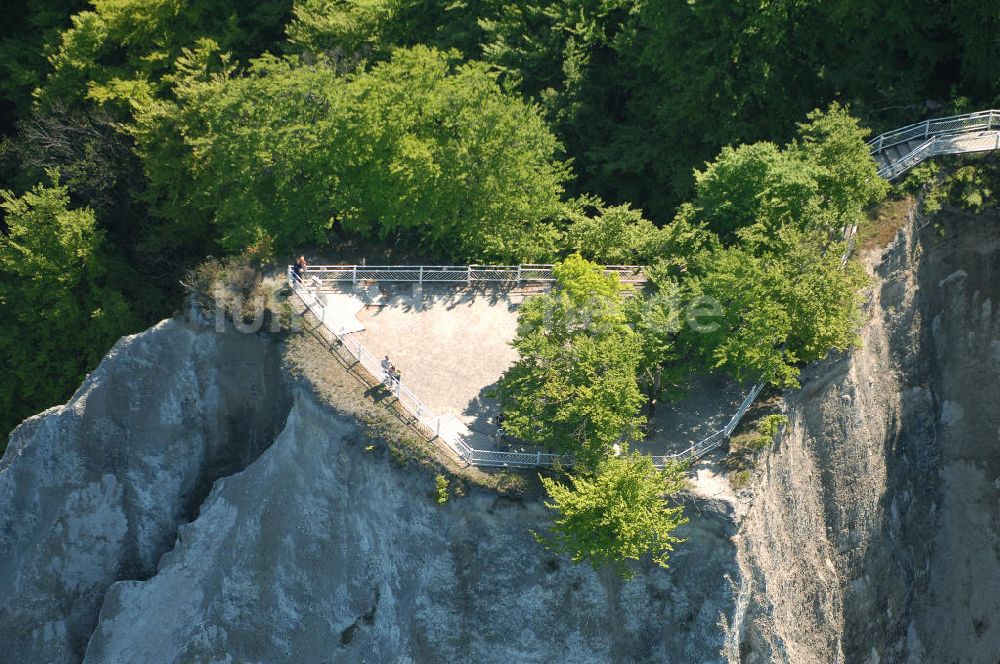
column 373, row 366
column 439, row 425
column 955, row 124
column 941, row 145
column 456, row 274
column 972, row 132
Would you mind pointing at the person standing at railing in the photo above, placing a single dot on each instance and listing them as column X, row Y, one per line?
column 299, row 268
column 390, row 374
column 387, row 370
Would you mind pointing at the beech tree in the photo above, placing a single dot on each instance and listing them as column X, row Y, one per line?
column 574, row 387
column 821, row 182
column 617, row 235
column 792, row 305
column 419, row 148
column 59, row 315
column 618, row 513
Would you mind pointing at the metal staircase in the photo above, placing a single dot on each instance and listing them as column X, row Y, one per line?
column 897, row 151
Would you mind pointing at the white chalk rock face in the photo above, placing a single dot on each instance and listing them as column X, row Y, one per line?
column 92, row 492
column 321, row 552
column 297, row 544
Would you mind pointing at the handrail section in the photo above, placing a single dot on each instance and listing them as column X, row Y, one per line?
column 457, row 274
column 956, row 134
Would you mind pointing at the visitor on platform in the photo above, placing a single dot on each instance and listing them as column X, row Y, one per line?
column 388, row 371
column 299, row 268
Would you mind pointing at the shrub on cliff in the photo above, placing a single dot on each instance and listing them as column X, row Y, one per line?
column 617, row 513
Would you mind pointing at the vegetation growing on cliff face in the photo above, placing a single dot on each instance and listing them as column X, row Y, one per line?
column 617, row 513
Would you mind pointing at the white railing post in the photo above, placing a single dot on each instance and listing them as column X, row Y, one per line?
column 927, row 128
column 538, row 458
column 881, row 139
column 468, row 276
column 518, row 275
column 420, row 279
column 354, row 275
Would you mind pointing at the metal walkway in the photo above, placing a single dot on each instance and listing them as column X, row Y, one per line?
column 897, row 151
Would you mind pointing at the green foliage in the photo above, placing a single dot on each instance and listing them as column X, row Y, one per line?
column 822, row 182
column 26, row 30
column 972, row 187
column 342, row 29
column 120, row 51
column 770, row 424
column 616, row 236
column 618, row 513
column 59, row 317
column 415, row 148
column 833, row 143
column 739, row 479
column 574, row 387
column 440, row 489
column 351, row 33
column 753, row 184
column 777, row 310
column 658, row 319
column 762, row 437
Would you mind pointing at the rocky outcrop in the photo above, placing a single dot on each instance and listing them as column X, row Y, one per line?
column 92, row 492
column 299, row 540
column 872, row 536
column 322, row 551
column 194, row 503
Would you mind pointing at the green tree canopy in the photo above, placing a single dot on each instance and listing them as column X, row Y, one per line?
column 617, row 235
column 620, row 512
column 574, row 387
column 59, row 316
column 122, row 50
column 777, row 309
column 418, row 147
column 822, row 182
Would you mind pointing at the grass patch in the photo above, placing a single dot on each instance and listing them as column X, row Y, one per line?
column 884, row 221
column 745, row 448
column 739, row 479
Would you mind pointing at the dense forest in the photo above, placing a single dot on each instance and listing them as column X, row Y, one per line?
column 141, row 136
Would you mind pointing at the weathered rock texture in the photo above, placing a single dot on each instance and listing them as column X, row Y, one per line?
column 320, row 551
column 92, row 492
column 310, row 548
column 874, row 529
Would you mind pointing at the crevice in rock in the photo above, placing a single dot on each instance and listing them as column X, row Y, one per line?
column 366, row 618
column 169, row 413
